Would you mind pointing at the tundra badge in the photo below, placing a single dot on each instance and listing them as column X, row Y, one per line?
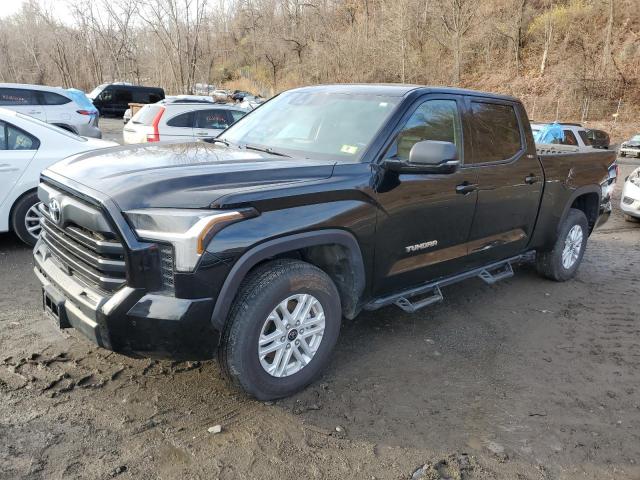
column 421, row 246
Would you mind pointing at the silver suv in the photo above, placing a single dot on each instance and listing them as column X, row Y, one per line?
column 69, row 108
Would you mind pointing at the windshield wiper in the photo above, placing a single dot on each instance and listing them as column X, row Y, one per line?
column 218, row 140
column 266, row 150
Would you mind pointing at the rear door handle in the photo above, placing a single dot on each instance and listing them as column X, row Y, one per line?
column 531, row 179
column 466, row 188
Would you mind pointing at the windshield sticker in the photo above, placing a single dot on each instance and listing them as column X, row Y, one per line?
column 350, row 149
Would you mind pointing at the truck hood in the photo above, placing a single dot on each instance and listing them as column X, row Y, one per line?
column 183, row 175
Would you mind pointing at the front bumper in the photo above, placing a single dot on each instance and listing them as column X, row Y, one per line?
column 131, row 320
column 89, row 131
column 630, row 199
column 630, row 152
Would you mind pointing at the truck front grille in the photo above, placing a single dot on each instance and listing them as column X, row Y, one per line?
column 95, row 258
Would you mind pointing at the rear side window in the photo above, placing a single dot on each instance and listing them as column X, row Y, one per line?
column 184, row 120
column 50, row 98
column 140, row 96
column 122, row 95
column 17, row 97
column 13, row 138
column 212, row 119
column 496, row 132
column 585, row 138
column 146, row 115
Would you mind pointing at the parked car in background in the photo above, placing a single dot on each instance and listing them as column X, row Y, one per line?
column 630, row 198
column 28, row 146
column 239, row 95
column 631, row 148
column 220, row 95
column 69, row 109
column 251, row 103
column 113, row 99
column 174, row 99
column 181, row 121
column 598, row 138
column 573, row 134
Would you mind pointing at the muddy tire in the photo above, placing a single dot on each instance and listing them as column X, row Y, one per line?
column 25, row 219
column 631, row 219
column 562, row 262
column 281, row 330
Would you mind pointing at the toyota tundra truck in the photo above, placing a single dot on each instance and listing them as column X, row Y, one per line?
column 324, row 202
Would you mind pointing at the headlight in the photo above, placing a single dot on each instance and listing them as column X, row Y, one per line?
column 635, row 178
column 187, row 230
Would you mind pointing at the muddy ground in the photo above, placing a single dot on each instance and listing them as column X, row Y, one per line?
column 526, row 379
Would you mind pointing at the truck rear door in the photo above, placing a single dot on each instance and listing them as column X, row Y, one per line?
column 510, row 179
column 427, row 219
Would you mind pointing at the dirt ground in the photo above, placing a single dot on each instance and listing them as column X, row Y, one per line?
column 526, row 379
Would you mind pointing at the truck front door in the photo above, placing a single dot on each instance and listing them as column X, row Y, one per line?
column 426, row 219
column 510, row 179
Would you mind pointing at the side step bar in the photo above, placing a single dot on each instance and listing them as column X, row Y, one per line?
column 430, row 293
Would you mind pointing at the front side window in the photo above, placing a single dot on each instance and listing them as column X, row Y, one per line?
column 433, row 120
column 13, row 138
column 496, row 132
column 332, row 126
column 569, row 138
column 17, row 97
column 212, row 119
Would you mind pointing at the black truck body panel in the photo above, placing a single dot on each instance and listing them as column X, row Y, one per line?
column 355, row 220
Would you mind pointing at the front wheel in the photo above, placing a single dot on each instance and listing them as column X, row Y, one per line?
column 281, row 330
column 562, row 262
column 25, row 219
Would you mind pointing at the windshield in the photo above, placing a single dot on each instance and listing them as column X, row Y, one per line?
column 96, row 91
column 320, row 125
column 635, row 138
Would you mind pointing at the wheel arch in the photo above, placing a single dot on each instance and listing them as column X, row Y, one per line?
column 66, row 127
column 334, row 251
column 15, row 204
column 586, row 199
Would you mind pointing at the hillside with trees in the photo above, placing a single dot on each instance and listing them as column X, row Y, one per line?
column 570, row 59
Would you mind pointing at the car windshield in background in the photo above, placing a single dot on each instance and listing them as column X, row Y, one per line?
column 330, row 126
column 146, row 114
column 635, row 138
column 96, row 91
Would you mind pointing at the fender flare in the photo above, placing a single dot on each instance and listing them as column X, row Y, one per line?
column 279, row 245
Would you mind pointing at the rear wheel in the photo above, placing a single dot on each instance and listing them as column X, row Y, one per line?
column 25, row 218
column 562, row 262
column 281, row 330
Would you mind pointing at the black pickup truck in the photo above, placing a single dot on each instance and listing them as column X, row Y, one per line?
column 323, row 202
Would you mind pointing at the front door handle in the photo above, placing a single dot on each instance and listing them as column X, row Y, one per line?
column 531, row 179
column 466, row 188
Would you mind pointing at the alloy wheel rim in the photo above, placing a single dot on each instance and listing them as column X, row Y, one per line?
column 32, row 221
column 291, row 335
column 572, row 247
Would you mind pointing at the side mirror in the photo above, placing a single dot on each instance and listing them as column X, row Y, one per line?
column 428, row 156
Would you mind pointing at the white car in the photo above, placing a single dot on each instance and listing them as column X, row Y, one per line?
column 181, row 121
column 631, row 148
column 174, row 99
column 69, row 109
column 574, row 134
column 630, row 202
column 28, row 146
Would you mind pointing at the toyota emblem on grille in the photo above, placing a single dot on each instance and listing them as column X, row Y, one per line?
column 54, row 210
